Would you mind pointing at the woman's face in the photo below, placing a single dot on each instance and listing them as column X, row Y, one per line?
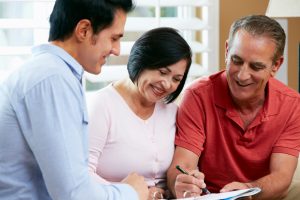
column 156, row 84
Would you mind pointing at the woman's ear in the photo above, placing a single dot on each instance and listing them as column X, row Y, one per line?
column 276, row 66
column 83, row 29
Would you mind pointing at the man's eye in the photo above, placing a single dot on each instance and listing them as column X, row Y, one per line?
column 256, row 67
column 236, row 61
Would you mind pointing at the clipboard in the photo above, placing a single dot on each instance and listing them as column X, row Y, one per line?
column 227, row 195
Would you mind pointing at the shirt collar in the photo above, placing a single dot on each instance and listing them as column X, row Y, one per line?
column 74, row 66
column 221, row 91
column 272, row 101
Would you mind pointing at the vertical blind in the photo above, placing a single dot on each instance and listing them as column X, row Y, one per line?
column 24, row 23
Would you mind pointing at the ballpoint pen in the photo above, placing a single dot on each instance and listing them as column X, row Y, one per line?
column 205, row 190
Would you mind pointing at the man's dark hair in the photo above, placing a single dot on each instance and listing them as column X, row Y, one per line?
column 67, row 13
column 156, row 49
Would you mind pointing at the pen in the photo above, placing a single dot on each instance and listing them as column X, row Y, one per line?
column 205, row 190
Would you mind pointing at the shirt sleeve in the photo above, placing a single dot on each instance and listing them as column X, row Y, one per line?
column 289, row 140
column 190, row 123
column 98, row 131
column 53, row 120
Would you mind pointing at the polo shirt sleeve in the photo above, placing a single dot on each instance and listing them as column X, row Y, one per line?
column 289, row 140
column 190, row 123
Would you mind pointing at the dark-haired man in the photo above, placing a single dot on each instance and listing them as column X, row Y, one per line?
column 43, row 138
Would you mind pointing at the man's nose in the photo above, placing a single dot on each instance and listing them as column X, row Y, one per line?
column 244, row 72
column 115, row 50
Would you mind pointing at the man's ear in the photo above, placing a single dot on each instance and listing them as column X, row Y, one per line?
column 83, row 29
column 276, row 66
column 226, row 50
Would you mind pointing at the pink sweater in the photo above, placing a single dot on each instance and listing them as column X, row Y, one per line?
column 120, row 142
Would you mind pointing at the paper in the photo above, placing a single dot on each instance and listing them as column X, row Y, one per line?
column 227, row 195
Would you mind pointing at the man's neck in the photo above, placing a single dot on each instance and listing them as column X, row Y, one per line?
column 248, row 110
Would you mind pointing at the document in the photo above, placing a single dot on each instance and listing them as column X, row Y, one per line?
column 227, row 195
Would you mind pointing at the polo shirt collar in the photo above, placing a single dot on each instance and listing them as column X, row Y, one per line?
column 272, row 103
column 221, row 92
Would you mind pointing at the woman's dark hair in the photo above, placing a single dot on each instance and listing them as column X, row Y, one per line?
column 67, row 13
column 159, row 48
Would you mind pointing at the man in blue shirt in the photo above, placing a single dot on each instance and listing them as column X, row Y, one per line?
column 43, row 117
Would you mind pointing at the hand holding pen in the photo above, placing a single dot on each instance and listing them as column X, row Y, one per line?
column 204, row 190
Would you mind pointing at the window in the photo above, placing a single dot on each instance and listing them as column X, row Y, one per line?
column 24, row 23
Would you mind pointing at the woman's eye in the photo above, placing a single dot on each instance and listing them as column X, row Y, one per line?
column 162, row 72
column 177, row 79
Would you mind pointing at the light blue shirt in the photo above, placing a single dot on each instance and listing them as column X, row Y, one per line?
column 43, row 133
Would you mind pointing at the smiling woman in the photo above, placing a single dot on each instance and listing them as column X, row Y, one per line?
column 133, row 119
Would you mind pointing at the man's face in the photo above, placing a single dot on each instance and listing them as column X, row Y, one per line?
column 249, row 65
column 97, row 48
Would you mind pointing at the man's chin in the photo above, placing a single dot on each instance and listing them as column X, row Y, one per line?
column 95, row 72
column 242, row 98
column 98, row 69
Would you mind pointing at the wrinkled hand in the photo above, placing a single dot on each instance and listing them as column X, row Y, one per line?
column 138, row 183
column 237, row 186
column 189, row 185
column 156, row 193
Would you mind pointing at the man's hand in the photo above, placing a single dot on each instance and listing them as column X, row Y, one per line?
column 274, row 185
column 156, row 193
column 235, row 186
column 189, row 185
column 139, row 184
column 183, row 185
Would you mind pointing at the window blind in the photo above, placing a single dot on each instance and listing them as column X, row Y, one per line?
column 24, row 23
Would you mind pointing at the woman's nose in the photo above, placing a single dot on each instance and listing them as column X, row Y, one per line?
column 167, row 83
